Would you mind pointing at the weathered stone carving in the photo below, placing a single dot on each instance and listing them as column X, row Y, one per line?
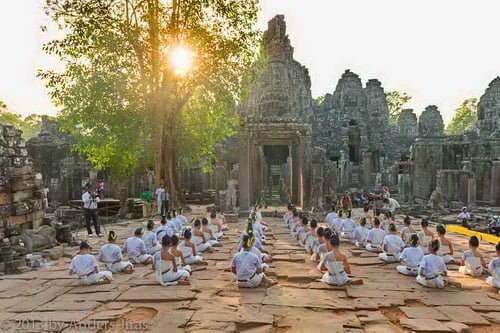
column 430, row 123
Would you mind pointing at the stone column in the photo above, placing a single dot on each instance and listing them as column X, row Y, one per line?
column 494, row 187
column 244, row 175
column 300, row 170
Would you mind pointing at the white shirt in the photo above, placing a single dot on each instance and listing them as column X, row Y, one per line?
column 392, row 205
column 246, row 264
column 110, row 253
column 393, row 243
column 161, row 194
column 330, row 217
column 360, row 234
column 463, row 215
column 83, row 264
column 150, row 239
column 134, row 247
column 348, row 225
column 88, row 203
column 336, row 224
column 376, row 236
column 432, row 265
column 412, row 256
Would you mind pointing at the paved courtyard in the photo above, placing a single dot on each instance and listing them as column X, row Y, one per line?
column 51, row 301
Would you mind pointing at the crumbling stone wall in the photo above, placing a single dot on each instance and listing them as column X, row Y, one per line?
column 21, row 198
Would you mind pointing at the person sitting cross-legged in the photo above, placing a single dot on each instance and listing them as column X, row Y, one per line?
column 111, row 255
column 85, row 267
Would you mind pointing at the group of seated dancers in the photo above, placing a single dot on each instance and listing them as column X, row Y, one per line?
column 422, row 254
column 171, row 249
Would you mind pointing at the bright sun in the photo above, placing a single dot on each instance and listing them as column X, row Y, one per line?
column 181, row 60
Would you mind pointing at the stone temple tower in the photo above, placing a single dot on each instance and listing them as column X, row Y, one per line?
column 489, row 110
column 275, row 133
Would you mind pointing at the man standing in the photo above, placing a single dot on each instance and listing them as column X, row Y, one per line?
column 90, row 201
column 161, row 196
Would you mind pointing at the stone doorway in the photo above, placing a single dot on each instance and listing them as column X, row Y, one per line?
column 276, row 173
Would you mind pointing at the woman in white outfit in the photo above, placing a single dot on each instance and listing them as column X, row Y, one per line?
column 150, row 238
column 411, row 257
column 432, row 268
column 407, row 230
column 360, row 233
column 248, row 267
column 336, row 266
column 425, row 236
column 174, row 250
column 199, row 239
column 310, row 237
column 189, row 249
column 473, row 262
column 165, row 266
column 111, row 255
column 375, row 237
column 445, row 245
column 210, row 236
column 136, row 249
column 85, row 267
column 393, row 246
column 347, row 227
column 494, row 268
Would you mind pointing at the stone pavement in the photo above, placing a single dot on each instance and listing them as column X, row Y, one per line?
column 51, row 301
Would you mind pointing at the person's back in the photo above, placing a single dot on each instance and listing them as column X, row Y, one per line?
column 393, row 243
column 376, row 236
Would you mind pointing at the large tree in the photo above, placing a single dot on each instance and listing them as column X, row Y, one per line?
column 395, row 102
column 128, row 92
column 465, row 117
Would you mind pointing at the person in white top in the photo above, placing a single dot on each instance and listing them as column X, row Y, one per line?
column 136, row 249
column 445, row 245
column 494, row 268
column 337, row 223
column 336, row 266
column 150, row 238
column 161, row 196
column 360, row 233
column 90, row 205
column 464, row 215
column 425, row 236
column 391, row 205
column 85, row 267
column 407, row 230
column 189, row 250
column 248, row 267
column 393, row 245
column 347, row 227
column 473, row 262
column 411, row 257
column 330, row 217
column 111, row 255
column 375, row 237
column 432, row 268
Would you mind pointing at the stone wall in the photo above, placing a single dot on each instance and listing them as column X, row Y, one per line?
column 21, row 198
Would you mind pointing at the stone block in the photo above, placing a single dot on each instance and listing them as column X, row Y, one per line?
column 21, row 171
column 54, row 253
column 425, row 325
column 17, row 220
column 2, row 267
column 4, row 184
column 6, row 210
column 5, row 198
column 22, row 195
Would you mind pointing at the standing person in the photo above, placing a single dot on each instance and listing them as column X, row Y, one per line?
column 85, row 267
column 147, row 203
column 161, row 197
column 90, row 201
column 346, row 202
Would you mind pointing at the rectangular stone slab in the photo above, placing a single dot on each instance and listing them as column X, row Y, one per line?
column 157, row 294
column 462, row 314
column 98, row 297
column 307, row 298
column 52, row 316
column 433, row 298
column 424, row 325
column 365, row 261
column 61, row 305
column 422, row 312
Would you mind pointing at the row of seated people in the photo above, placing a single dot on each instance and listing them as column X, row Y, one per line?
column 422, row 253
column 162, row 247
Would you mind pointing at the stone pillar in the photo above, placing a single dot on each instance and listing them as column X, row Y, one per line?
column 300, row 170
column 367, row 169
column 244, row 175
column 494, row 184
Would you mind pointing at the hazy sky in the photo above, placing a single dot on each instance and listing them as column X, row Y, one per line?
column 438, row 51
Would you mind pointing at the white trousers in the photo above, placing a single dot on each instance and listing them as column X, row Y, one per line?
column 119, row 267
column 447, row 258
column 203, row 247
column 193, row 259
column 389, row 258
column 154, row 249
column 172, row 276
column 335, row 280
column 97, row 277
column 402, row 269
column 140, row 259
column 492, row 282
column 251, row 283
column 476, row 271
column 346, row 234
column 437, row 282
column 373, row 248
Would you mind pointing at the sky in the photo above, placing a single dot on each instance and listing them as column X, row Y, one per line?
column 437, row 51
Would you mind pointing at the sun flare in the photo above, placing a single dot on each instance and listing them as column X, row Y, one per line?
column 182, row 60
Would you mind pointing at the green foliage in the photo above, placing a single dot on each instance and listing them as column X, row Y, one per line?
column 318, row 100
column 119, row 91
column 395, row 101
column 30, row 125
column 465, row 117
